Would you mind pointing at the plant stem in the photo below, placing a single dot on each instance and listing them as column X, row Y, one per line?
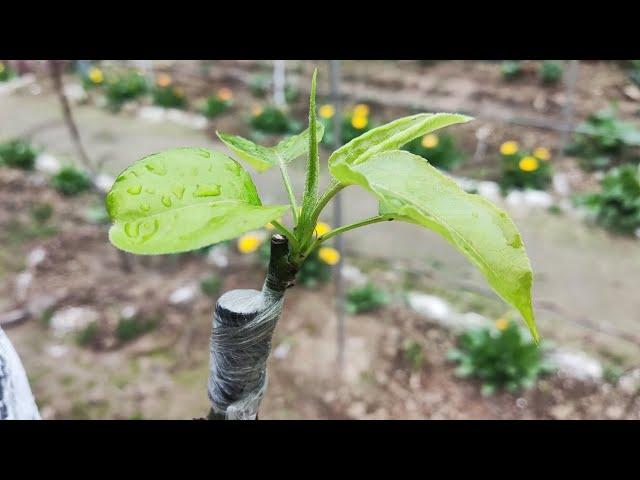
column 292, row 197
column 287, row 233
column 334, row 187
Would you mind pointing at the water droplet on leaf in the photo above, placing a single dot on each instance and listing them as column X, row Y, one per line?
column 166, row 200
column 207, row 191
column 178, row 191
column 134, row 189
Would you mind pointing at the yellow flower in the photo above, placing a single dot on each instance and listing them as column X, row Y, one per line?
column 1, row 67
column 430, row 141
column 322, row 228
column 329, row 255
column 509, row 148
column 163, row 80
column 542, row 153
column 361, row 110
column 256, row 110
column 528, row 164
column 502, row 323
column 248, row 243
column 326, row 111
column 359, row 122
column 225, row 94
column 95, row 75
column 269, row 226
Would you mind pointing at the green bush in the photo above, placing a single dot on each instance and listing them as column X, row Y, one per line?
column 259, row 85
column 413, row 354
column 41, row 212
column 354, row 123
column 18, row 153
column 169, row 96
column 439, row 150
column 617, row 205
column 93, row 78
column 603, row 140
column 6, row 72
column 511, row 69
column 216, row 104
column 499, row 358
column 124, row 87
column 551, row 71
column 365, row 299
column 522, row 170
column 70, row 181
column 88, row 335
column 291, row 94
column 270, row 120
column 211, row 285
column 131, row 328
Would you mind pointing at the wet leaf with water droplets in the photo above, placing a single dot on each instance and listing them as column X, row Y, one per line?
column 164, row 209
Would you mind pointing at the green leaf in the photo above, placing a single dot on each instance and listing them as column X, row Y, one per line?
column 390, row 136
column 183, row 199
column 313, row 166
column 262, row 158
column 409, row 187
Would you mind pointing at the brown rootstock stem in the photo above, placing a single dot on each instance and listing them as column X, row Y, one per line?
column 281, row 275
column 56, row 74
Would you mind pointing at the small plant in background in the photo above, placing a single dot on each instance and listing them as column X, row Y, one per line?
column 124, row 87
column 367, row 298
column 439, row 150
column 259, row 85
column 413, row 354
column 270, row 120
column 617, row 205
column 218, row 103
column 131, row 328
column 89, row 335
column 41, row 212
column 550, row 72
column 603, row 140
column 211, row 285
column 500, row 357
column 167, row 95
column 354, row 123
column 523, row 170
column 6, row 72
column 18, row 153
column 70, row 181
column 94, row 77
column 511, row 69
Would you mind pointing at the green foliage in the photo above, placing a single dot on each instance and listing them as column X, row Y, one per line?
column 271, row 120
column 185, row 199
column 18, row 153
column 214, row 106
column 511, row 69
column 211, row 285
column 499, row 359
column 131, row 328
column 41, row 212
column 169, row 96
column 617, row 205
column 634, row 71
column 413, row 354
column 70, row 181
column 214, row 196
column 89, row 335
column 259, row 85
column 6, row 72
column 603, row 140
column 124, row 87
column 367, row 298
column 439, row 150
column 550, row 71
column 522, row 170
column 291, row 94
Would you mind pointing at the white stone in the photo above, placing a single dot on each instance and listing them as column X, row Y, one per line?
column 561, row 184
column 353, row 275
column 104, row 182
column 36, row 257
column 537, row 199
column 57, row 351
column 16, row 84
column 35, row 89
column 515, row 198
column 576, row 365
column 47, row 164
column 128, row 312
column 75, row 92
column 282, row 350
column 152, row 114
column 183, row 295
column 630, row 382
column 23, row 281
column 469, row 320
column 429, row 305
column 489, row 190
column 72, row 319
column 218, row 256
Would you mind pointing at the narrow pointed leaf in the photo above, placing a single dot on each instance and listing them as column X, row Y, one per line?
column 182, row 199
column 313, row 165
column 390, row 136
column 262, row 158
column 409, row 187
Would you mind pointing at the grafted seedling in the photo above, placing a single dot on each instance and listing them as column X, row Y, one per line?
column 187, row 198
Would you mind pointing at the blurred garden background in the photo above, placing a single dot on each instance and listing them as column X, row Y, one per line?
column 393, row 323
